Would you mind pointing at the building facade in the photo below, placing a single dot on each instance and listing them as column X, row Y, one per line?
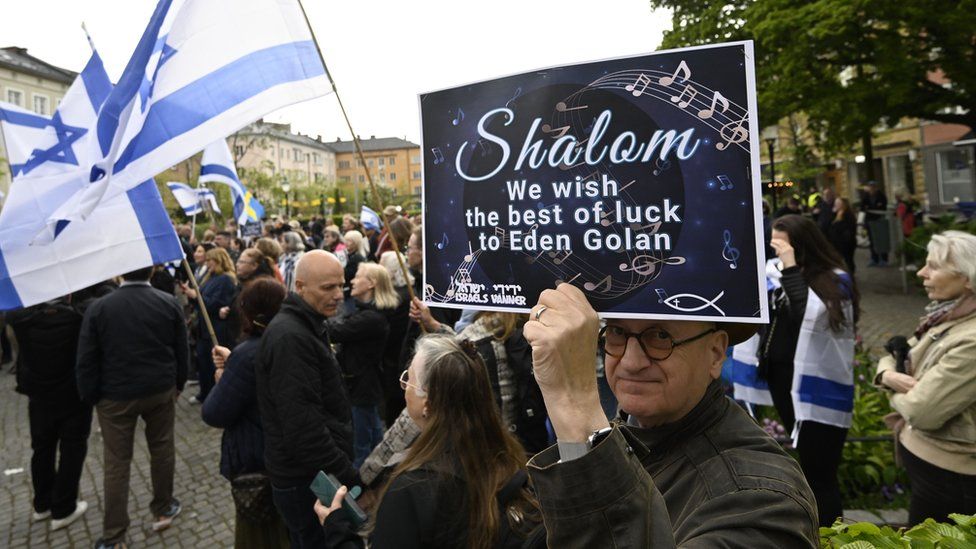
column 393, row 162
column 32, row 84
column 277, row 151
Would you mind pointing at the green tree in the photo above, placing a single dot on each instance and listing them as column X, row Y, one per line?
column 846, row 64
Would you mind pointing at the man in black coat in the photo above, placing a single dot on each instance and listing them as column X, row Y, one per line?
column 47, row 336
column 874, row 203
column 132, row 361
column 305, row 411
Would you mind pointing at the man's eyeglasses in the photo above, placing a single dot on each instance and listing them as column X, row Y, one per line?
column 405, row 382
column 656, row 342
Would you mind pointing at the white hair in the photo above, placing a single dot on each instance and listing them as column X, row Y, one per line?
column 954, row 251
column 356, row 237
column 389, row 260
column 292, row 242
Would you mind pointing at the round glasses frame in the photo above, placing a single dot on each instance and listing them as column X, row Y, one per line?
column 663, row 354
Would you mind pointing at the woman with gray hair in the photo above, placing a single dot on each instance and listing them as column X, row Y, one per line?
column 294, row 248
column 932, row 381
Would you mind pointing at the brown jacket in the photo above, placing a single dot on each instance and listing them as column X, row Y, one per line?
column 941, row 409
column 712, row 479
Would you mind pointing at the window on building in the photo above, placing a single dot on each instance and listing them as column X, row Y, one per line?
column 898, row 174
column 415, row 159
column 370, row 162
column 239, row 151
column 392, row 176
column 416, row 175
column 392, row 160
column 362, row 178
column 40, row 104
column 317, row 159
column 299, row 156
column 343, row 164
column 359, row 163
column 381, row 161
column 416, row 190
column 955, row 175
column 319, row 177
column 16, row 97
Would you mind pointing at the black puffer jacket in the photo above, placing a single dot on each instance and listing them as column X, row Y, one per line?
column 363, row 337
column 46, row 372
column 304, row 408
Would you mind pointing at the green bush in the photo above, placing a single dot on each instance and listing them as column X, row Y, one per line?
column 928, row 535
column 914, row 247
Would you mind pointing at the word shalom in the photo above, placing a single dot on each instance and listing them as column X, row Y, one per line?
column 566, row 151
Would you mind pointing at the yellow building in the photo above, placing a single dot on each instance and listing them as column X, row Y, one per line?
column 393, row 162
column 30, row 83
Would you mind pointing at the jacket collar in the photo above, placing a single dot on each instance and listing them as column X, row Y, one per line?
column 298, row 306
column 709, row 409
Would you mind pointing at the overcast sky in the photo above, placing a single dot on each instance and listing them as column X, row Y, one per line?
column 382, row 53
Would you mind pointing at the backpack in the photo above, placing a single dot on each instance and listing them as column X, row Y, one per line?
column 530, row 418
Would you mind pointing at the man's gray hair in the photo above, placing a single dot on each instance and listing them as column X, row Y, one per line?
column 955, row 251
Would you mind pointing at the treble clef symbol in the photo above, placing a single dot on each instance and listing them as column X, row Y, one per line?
column 729, row 252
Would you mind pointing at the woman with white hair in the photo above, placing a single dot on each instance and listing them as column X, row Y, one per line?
column 933, row 385
column 356, row 249
column 294, row 248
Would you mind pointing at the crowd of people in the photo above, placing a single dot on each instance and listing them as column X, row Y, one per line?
column 310, row 349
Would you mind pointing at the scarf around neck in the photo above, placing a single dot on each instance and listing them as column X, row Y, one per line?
column 938, row 312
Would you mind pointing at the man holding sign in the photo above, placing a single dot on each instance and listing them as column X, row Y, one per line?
column 683, row 466
column 630, row 185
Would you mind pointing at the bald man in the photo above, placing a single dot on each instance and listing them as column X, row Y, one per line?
column 305, row 411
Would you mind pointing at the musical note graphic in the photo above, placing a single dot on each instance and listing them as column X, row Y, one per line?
column 500, row 232
column 465, row 275
column 632, row 181
column 470, row 255
column 654, row 227
column 642, row 80
column 648, row 264
column 559, row 132
column 570, row 281
column 443, row 243
column 428, row 291
column 459, row 118
column 518, row 92
column 725, row 181
column 690, row 91
column 729, row 252
column 705, row 114
column 675, row 303
column 531, row 260
column 661, row 166
column 605, row 281
column 561, row 107
column 736, row 134
column 451, row 291
column 438, row 155
column 559, row 260
column 604, row 218
column 661, row 294
column 682, row 69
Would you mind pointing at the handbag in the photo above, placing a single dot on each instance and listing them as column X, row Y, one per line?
column 252, row 497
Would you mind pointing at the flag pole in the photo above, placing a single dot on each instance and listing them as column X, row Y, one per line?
column 362, row 158
column 203, row 306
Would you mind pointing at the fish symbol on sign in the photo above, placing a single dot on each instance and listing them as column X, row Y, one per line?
column 674, row 303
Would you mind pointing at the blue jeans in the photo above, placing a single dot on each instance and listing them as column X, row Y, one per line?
column 367, row 432
column 295, row 504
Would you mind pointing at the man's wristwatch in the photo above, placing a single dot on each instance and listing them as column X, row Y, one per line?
column 569, row 451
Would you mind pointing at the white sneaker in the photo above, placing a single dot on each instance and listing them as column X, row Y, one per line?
column 40, row 516
column 80, row 509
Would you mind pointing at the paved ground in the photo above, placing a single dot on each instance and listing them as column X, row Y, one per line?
column 207, row 518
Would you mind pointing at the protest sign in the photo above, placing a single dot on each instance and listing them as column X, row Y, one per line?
column 635, row 179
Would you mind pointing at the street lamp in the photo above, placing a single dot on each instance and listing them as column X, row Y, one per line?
column 285, row 187
column 770, row 135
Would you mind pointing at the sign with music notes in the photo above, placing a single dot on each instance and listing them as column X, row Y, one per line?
column 634, row 179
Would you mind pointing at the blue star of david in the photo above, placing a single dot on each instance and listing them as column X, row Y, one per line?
column 146, row 88
column 61, row 152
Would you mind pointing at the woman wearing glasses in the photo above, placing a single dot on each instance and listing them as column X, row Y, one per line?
column 463, row 482
column 807, row 352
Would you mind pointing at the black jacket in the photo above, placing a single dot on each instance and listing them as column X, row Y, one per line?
column 46, row 371
column 232, row 405
column 843, row 234
column 133, row 344
column 362, row 335
column 218, row 292
column 305, row 411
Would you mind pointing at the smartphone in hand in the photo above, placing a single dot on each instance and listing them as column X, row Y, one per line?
column 325, row 487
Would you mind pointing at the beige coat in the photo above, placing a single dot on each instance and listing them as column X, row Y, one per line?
column 941, row 409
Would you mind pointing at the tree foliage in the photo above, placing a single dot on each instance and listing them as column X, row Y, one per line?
column 846, row 64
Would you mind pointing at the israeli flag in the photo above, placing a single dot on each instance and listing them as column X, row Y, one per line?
column 369, row 219
column 192, row 200
column 202, row 70
column 50, row 160
column 217, row 166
